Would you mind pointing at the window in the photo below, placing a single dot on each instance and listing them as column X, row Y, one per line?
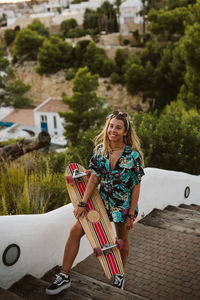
column 43, row 119
column 54, row 121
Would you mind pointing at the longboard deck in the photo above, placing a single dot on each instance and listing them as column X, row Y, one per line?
column 96, row 223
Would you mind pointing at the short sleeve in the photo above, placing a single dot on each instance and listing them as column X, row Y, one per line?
column 94, row 165
column 137, row 167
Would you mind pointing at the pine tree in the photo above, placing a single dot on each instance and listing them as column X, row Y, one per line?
column 86, row 109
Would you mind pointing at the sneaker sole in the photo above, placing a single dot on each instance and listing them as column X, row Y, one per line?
column 58, row 290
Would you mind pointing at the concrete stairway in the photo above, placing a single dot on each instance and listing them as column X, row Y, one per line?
column 164, row 263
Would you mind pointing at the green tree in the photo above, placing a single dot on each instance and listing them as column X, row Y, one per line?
column 171, row 140
column 39, row 27
column 15, row 94
column 103, row 19
column 68, row 24
column 96, row 60
column 190, row 53
column 54, row 55
column 120, row 62
column 27, row 44
column 86, row 108
column 9, row 36
column 79, row 52
column 168, row 22
column 140, row 73
column 157, row 74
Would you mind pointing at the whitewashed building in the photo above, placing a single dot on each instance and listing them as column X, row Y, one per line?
column 47, row 117
column 44, row 117
column 129, row 15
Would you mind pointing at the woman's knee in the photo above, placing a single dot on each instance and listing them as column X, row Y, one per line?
column 76, row 230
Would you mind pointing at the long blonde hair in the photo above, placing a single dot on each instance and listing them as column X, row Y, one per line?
column 131, row 139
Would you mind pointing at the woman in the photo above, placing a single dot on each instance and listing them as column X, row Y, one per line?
column 116, row 165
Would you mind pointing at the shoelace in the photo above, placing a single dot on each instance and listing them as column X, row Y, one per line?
column 58, row 279
column 116, row 280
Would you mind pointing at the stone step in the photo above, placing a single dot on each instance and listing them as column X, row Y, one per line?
column 192, row 206
column 7, row 295
column 185, row 223
column 184, row 210
column 32, row 288
column 83, row 287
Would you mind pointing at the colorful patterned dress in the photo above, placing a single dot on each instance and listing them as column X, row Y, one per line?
column 116, row 185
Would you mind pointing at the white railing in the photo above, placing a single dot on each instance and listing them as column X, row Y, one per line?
column 42, row 238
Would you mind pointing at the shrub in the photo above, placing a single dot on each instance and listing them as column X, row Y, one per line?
column 114, row 78
column 25, row 191
column 9, row 36
column 126, row 42
column 171, row 140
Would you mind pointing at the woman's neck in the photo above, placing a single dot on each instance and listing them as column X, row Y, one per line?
column 116, row 146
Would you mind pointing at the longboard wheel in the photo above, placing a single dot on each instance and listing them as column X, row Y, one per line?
column 88, row 173
column 97, row 251
column 69, row 179
column 120, row 244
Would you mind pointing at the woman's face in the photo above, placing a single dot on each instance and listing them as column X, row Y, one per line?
column 116, row 130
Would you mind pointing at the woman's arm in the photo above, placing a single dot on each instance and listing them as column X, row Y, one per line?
column 134, row 200
column 91, row 185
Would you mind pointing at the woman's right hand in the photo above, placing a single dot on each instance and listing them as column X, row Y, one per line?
column 79, row 212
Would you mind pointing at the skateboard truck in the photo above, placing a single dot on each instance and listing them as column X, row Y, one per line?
column 107, row 248
column 77, row 175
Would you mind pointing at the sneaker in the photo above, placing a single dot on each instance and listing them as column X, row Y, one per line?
column 61, row 283
column 119, row 281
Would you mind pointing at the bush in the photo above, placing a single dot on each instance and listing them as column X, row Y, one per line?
column 126, row 42
column 114, row 78
column 25, row 191
column 54, row 55
column 172, row 140
column 27, row 44
column 70, row 74
column 136, row 36
column 68, row 24
column 9, row 36
column 76, row 32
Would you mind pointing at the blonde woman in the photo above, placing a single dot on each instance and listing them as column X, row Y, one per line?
column 116, row 165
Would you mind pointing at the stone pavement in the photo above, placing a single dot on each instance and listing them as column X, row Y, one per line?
column 162, row 265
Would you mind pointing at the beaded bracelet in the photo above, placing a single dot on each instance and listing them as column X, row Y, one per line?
column 130, row 216
column 82, row 204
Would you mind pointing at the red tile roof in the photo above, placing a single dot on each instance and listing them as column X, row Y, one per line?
column 54, row 105
column 21, row 116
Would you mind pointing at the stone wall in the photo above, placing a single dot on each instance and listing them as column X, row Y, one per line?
column 54, row 85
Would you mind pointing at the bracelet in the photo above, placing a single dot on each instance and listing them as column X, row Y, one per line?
column 82, row 204
column 130, row 216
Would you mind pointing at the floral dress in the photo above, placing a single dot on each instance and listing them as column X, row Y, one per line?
column 116, row 185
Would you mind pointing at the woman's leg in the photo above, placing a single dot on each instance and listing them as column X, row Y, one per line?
column 72, row 247
column 122, row 233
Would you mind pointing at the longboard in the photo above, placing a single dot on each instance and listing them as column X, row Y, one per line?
column 95, row 223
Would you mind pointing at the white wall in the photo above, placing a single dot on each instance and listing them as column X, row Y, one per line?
column 50, row 123
column 42, row 237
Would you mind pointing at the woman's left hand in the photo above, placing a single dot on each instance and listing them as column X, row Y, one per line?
column 129, row 223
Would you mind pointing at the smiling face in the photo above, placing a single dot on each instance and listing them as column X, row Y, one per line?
column 116, row 131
